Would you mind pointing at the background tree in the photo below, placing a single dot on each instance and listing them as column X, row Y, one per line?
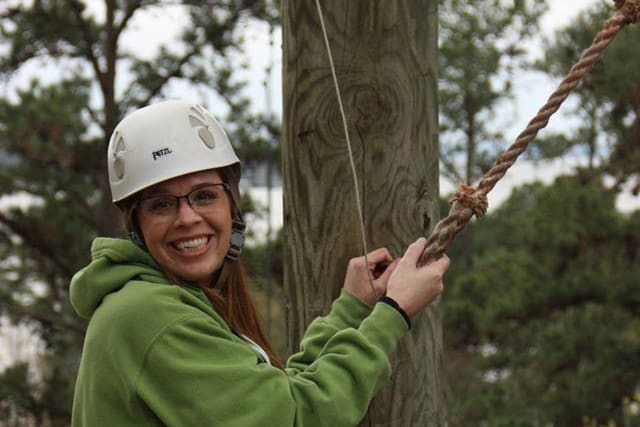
column 607, row 134
column 481, row 45
column 547, row 318
column 543, row 328
column 53, row 136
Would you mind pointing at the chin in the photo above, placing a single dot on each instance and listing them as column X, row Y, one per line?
column 199, row 276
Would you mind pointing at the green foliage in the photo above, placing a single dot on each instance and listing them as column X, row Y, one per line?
column 543, row 329
column 16, row 392
column 264, row 263
column 264, row 260
column 541, row 317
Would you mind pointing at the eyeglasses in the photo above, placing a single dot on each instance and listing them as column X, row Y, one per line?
column 202, row 200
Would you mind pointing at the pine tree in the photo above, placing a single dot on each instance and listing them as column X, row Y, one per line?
column 544, row 328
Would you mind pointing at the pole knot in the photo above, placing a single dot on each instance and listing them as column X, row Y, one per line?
column 630, row 9
column 471, row 198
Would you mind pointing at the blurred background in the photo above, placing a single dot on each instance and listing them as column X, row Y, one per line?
column 541, row 313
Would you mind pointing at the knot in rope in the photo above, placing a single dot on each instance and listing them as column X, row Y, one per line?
column 630, row 9
column 472, row 198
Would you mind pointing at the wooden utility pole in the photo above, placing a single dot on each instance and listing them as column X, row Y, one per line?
column 386, row 59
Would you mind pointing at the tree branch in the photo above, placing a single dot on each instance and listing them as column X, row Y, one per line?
column 89, row 42
column 155, row 89
column 46, row 319
column 132, row 6
column 36, row 243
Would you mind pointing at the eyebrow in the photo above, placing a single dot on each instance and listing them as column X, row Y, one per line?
column 164, row 191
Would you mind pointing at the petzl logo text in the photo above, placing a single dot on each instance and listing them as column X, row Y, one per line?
column 160, row 153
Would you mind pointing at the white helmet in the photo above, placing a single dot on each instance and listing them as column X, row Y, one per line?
column 163, row 141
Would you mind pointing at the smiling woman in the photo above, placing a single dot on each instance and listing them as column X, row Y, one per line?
column 173, row 336
column 189, row 239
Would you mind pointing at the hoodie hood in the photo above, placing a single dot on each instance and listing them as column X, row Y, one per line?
column 114, row 263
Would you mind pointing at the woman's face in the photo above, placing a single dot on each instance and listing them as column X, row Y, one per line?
column 190, row 244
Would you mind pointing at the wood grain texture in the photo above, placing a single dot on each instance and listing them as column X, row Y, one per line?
column 386, row 55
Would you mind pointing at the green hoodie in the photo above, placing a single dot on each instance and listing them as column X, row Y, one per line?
column 159, row 354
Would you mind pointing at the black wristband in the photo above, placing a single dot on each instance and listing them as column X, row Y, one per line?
column 391, row 302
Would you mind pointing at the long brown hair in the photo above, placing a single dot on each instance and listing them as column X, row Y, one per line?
column 231, row 299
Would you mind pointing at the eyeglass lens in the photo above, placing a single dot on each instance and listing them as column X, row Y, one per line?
column 201, row 200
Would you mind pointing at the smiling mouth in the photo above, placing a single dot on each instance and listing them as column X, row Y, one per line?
column 191, row 245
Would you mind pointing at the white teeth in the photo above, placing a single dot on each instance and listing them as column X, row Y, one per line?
column 192, row 244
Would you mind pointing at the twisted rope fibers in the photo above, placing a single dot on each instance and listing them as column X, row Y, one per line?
column 471, row 201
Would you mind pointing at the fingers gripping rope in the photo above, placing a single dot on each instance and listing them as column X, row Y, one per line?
column 471, row 201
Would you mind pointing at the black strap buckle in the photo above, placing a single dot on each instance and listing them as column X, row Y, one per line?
column 237, row 239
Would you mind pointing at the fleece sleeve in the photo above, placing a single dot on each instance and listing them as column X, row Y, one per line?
column 195, row 374
column 347, row 311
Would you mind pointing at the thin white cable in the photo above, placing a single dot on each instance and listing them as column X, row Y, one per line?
column 350, row 150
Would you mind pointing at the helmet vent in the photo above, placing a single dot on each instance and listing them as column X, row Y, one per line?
column 202, row 123
column 118, row 155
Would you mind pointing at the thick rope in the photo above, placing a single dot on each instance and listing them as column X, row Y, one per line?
column 471, row 201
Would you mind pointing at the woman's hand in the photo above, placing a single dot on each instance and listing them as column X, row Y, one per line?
column 414, row 288
column 357, row 281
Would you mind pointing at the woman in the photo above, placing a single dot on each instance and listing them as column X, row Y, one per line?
column 173, row 337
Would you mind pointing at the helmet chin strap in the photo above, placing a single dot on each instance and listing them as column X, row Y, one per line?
column 135, row 238
column 235, row 249
column 237, row 238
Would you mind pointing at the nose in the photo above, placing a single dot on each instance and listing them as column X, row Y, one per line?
column 186, row 214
